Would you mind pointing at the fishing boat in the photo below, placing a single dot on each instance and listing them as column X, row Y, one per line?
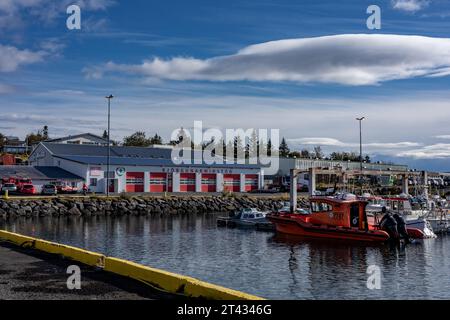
column 411, row 209
column 341, row 217
column 246, row 218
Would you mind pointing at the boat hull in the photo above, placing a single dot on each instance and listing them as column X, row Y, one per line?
column 297, row 227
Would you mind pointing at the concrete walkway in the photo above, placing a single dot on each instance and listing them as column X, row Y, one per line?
column 30, row 275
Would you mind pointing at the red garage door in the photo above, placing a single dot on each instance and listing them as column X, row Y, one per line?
column 232, row 182
column 135, row 182
column 187, row 182
column 158, row 182
column 251, row 182
column 208, row 182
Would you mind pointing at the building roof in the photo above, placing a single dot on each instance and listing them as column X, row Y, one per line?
column 127, row 161
column 37, row 173
column 122, row 155
column 81, row 135
column 116, row 151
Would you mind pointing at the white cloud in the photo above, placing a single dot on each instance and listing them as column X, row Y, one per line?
column 443, row 136
column 11, row 58
column 350, row 59
column 337, row 143
column 434, row 151
column 409, row 5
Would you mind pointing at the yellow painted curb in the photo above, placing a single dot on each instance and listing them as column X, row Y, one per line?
column 170, row 282
column 173, row 282
column 87, row 257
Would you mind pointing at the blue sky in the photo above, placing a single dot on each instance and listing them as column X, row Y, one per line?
column 172, row 62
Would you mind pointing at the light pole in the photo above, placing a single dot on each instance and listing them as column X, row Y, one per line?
column 360, row 153
column 109, row 144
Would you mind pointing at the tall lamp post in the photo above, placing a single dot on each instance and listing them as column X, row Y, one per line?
column 109, row 144
column 360, row 153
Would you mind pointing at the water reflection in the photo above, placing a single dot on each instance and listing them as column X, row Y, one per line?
column 256, row 262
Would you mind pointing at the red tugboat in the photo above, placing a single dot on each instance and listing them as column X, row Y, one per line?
column 343, row 217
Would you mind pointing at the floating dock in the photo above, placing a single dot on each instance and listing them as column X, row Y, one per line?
column 32, row 268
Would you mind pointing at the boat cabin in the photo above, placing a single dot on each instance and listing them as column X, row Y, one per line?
column 345, row 211
column 249, row 213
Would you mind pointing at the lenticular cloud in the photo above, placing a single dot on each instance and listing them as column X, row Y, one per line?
column 350, row 59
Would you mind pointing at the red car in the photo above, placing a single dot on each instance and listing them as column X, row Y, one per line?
column 28, row 189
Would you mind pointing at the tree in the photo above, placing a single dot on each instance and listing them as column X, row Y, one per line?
column 238, row 147
column 269, row 147
column 305, row 154
column 295, row 154
column 137, row 139
column 156, row 139
column 318, row 154
column 252, row 147
column 34, row 138
column 2, row 140
column 284, row 149
column 105, row 135
column 45, row 132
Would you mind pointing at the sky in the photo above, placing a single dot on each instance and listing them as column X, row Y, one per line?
column 307, row 68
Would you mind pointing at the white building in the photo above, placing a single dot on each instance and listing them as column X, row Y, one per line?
column 84, row 138
column 139, row 169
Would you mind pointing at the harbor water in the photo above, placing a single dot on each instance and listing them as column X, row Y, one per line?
column 255, row 262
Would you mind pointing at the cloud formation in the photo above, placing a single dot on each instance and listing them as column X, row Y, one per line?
column 434, row 151
column 337, row 143
column 409, row 5
column 349, row 59
column 11, row 58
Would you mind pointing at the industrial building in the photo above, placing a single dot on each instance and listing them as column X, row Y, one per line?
column 144, row 169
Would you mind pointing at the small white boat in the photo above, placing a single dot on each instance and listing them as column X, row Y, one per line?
column 415, row 218
column 246, row 218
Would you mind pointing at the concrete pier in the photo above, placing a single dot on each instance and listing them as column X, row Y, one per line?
column 30, row 274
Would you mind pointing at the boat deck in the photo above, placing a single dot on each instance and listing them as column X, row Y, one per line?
column 30, row 274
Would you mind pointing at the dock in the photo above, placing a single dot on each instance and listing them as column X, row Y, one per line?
column 32, row 268
column 27, row 274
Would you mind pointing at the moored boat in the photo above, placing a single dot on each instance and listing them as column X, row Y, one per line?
column 246, row 218
column 343, row 217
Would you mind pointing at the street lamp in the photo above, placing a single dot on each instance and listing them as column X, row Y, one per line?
column 360, row 152
column 109, row 144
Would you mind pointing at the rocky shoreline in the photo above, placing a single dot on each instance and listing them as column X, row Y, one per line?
column 119, row 206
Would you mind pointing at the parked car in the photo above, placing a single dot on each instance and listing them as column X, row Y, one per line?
column 49, row 189
column 10, row 187
column 28, row 189
column 66, row 189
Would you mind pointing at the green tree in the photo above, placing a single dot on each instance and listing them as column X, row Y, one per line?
column 156, row 139
column 45, row 132
column 269, row 147
column 284, row 149
column 2, row 140
column 239, row 149
column 105, row 134
column 305, row 154
column 137, row 139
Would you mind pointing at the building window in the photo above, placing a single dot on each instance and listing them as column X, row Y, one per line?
column 93, row 182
